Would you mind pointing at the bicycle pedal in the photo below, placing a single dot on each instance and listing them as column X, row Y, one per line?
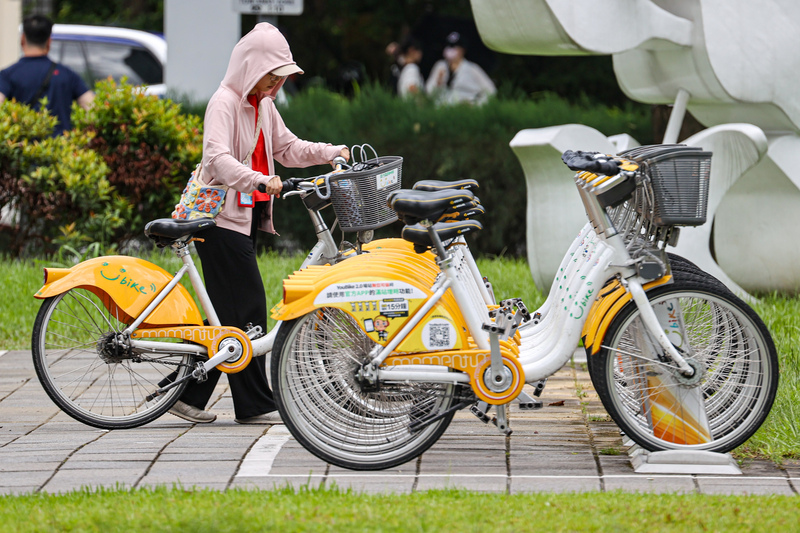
column 483, row 417
column 531, row 405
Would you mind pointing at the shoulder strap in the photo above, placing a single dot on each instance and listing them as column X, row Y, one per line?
column 246, row 160
column 45, row 84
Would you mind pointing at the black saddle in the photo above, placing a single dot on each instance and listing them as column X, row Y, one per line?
column 439, row 185
column 165, row 231
column 445, row 230
column 414, row 206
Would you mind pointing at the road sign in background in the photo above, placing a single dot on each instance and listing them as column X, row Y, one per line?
column 269, row 7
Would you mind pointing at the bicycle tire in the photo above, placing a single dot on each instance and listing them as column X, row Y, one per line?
column 313, row 378
column 739, row 368
column 81, row 374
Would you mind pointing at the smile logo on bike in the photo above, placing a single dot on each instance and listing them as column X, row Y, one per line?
column 123, row 279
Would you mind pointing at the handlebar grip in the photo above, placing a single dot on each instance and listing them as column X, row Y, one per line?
column 587, row 161
column 262, row 187
column 290, row 184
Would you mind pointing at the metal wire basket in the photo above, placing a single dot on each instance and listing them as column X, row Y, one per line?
column 359, row 195
column 677, row 177
column 671, row 190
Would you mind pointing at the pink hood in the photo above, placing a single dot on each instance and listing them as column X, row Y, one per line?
column 229, row 130
column 259, row 52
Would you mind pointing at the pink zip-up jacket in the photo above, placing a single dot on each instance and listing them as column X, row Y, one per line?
column 229, row 127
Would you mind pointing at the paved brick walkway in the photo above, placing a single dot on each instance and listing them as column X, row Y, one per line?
column 569, row 445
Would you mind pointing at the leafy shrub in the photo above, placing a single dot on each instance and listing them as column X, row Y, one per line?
column 148, row 144
column 444, row 143
column 55, row 186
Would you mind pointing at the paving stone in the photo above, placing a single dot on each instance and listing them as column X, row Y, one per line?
column 68, row 480
column 31, row 466
column 190, row 473
column 93, row 466
column 18, row 491
column 24, row 479
column 736, row 485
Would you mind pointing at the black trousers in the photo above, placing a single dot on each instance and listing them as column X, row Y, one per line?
column 236, row 290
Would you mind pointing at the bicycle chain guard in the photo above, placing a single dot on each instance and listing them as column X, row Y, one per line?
column 216, row 339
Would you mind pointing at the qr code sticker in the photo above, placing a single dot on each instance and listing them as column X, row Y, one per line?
column 439, row 336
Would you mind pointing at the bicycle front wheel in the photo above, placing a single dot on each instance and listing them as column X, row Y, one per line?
column 87, row 377
column 314, row 362
column 733, row 356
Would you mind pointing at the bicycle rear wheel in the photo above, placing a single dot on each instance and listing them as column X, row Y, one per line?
column 87, row 377
column 324, row 407
column 735, row 359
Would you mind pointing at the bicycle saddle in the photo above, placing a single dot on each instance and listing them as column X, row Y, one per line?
column 439, row 185
column 446, row 230
column 167, row 230
column 413, row 206
column 465, row 212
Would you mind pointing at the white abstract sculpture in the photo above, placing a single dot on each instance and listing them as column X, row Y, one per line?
column 732, row 63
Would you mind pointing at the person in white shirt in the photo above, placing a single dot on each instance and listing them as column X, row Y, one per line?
column 410, row 81
column 454, row 79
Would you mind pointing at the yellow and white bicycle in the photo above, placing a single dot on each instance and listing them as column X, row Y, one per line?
column 374, row 355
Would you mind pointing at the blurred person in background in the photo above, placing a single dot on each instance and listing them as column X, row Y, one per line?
column 410, row 81
column 35, row 76
column 455, row 79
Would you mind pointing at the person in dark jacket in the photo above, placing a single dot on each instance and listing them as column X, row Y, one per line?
column 35, row 76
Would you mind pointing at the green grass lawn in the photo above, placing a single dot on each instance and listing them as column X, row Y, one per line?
column 166, row 510
column 779, row 437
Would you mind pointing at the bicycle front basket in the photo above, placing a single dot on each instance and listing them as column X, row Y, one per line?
column 678, row 176
column 359, row 195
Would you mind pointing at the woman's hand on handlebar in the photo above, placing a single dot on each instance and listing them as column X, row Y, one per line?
column 270, row 184
column 345, row 153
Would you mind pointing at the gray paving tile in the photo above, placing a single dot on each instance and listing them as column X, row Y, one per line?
column 24, row 479
column 18, row 491
column 735, row 485
column 69, row 480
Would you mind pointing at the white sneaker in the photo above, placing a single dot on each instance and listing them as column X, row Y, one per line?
column 273, row 417
column 192, row 413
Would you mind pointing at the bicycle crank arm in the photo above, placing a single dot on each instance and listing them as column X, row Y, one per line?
column 416, row 426
column 199, row 373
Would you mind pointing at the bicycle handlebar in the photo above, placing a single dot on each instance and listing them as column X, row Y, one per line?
column 594, row 162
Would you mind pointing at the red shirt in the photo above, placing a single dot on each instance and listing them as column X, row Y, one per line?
column 259, row 160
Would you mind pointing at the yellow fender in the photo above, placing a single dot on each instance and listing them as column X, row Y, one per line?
column 381, row 291
column 126, row 286
column 608, row 304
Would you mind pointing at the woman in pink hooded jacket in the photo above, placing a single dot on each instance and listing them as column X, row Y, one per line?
column 258, row 67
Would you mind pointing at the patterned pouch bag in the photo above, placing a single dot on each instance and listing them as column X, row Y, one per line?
column 200, row 200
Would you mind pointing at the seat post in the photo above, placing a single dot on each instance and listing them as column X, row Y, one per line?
column 435, row 240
